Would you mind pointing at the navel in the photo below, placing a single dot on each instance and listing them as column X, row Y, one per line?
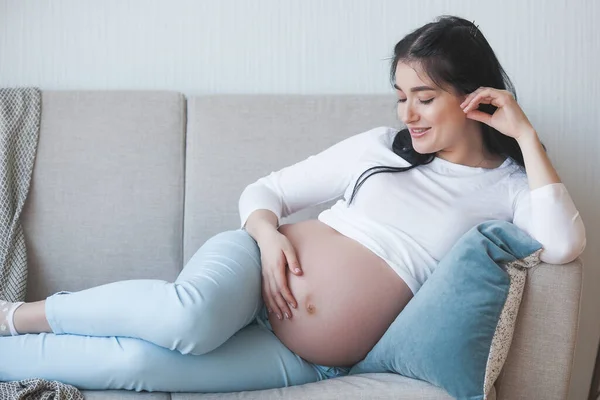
column 311, row 308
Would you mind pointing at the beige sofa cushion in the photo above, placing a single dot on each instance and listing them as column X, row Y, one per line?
column 106, row 197
column 540, row 361
column 368, row 386
column 124, row 395
column 232, row 140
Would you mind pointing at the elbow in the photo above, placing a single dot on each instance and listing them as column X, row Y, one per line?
column 259, row 195
column 562, row 246
column 564, row 252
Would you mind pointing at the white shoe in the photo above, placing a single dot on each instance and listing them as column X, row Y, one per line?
column 7, row 311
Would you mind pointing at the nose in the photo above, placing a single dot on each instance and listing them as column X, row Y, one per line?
column 408, row 114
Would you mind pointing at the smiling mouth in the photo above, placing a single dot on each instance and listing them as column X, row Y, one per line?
column 418, row 132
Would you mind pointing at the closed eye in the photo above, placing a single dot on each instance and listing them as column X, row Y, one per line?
column 421, row 101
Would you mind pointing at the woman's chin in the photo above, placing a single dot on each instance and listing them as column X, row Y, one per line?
column 423, row 148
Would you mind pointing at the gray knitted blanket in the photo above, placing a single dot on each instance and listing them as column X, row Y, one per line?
column 20, row 115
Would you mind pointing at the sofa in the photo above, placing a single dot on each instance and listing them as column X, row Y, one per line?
column 128, row 185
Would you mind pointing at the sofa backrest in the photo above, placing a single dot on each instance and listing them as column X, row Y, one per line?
column 106, row 197
column 232, row 140
column 129, row 184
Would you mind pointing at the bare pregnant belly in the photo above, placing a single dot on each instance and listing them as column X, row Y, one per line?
column 347, row 297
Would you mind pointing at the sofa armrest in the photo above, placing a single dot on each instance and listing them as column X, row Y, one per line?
column 540, row 360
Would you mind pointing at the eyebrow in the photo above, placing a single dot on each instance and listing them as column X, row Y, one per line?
column 416, row 89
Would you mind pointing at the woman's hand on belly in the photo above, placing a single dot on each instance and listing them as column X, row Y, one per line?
column 277, row 255
column 347, row 297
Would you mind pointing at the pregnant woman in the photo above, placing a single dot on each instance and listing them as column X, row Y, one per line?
column 272, row 305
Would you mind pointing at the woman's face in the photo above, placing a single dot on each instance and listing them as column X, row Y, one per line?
column 433, row 115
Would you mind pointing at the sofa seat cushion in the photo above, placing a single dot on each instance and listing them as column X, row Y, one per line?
column 124, row 395
column 362, row 386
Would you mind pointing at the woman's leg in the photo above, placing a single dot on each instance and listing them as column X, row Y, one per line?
column 217, row 293
column 251, row 359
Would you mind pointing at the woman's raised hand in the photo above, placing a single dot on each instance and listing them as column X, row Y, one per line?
column 508, row 118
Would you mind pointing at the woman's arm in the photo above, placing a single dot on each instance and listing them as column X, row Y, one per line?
column 549, row 215
column 260, row 223
column 317, row 179
column 544, row 209
column 540, row 171
column 547, row 211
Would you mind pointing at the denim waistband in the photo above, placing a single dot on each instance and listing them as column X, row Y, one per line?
column 326, row 372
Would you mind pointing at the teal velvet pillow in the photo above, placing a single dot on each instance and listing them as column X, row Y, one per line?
column 456, row 331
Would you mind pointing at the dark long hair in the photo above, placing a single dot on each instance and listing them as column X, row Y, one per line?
column 456, row 56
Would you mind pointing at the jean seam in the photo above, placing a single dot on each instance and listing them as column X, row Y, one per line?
column 50, row 312
column 50, row 315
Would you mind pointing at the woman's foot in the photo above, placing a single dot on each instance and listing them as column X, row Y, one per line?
column 7, row 311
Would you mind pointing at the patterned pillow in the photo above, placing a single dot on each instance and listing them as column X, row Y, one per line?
column 456, row 332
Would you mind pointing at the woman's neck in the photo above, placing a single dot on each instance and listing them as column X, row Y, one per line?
column 472, row 153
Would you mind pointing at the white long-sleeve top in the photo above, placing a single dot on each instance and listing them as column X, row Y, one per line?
column 411, row 219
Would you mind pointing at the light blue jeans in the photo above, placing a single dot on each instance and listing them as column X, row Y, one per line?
column 206, row 332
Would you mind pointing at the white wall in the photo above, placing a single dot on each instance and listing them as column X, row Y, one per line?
column 550, row 49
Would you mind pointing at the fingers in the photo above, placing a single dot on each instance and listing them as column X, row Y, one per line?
column 292, row 261
column 284, row 297
column 481, row 98
column 276, row 293
column 280, row 307
column 283, row 306
column 272, row 290
column 480, row 116
column 282, row 282
column 470, row 97
column 476, row 98
column 284, row 290
column 495, row 97
column 268, row 298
